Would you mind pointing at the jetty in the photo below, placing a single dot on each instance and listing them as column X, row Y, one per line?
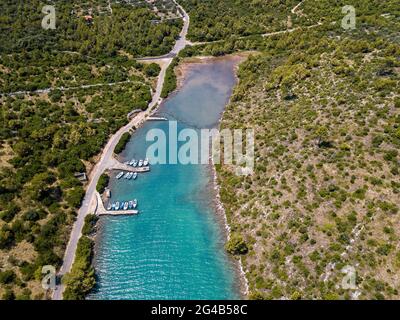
column 116, row 165
column 102, row 211
column 157, row 119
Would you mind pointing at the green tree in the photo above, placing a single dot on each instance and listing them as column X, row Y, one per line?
column 236, row 245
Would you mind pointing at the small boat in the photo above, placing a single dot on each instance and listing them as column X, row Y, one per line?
column 126, row 162
column 130, row 204
column 146, row 162
column 134, row 205
column 129, row 176
column 126, row 175
column 126, row 205
column 134, row 164
column 134, row 175
column 117, row 205
column 113, row 206
column 109, row 206
column 119, row 175
column 140, row 163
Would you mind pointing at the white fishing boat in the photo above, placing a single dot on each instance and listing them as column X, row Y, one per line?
column 140, row 163
column 109, row 206
column 146, row 162
column 134, row 203
column 117, row 205
column 134, row 175
column 130, row 204
column 126, row 175
column 131, row 162
column 130, row 175
column 135, row 163
column 113, row 206
column 126, row 205
column 119, row 175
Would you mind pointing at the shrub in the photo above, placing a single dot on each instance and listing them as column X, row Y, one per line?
column 122, row 143
column 102, row 183
column 81, row 279
column 90, row 222
column 152, row 69
column 7, row 277
column 236, row 245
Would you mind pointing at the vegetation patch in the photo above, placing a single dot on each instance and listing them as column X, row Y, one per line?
column 122, row 143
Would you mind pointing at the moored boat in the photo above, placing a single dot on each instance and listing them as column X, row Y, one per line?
column 117, row 205
column 134, row 205
column 109, row 206
column 126, row 204
column 140, row 163
column 134, row 175
column 119, row 175
column 146, row 162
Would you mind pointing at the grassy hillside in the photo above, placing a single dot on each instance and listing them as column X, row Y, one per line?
column 325, row 107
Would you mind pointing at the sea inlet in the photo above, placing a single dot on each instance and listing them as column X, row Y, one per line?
column 174, row 248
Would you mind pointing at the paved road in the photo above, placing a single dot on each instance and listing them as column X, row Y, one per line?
column 89, row 203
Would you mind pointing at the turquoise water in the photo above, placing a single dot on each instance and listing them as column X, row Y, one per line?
column 174, row 248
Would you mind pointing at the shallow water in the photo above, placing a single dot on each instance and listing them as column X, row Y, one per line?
column 174, row 248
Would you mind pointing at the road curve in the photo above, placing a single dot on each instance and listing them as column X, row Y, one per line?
column 88, row 202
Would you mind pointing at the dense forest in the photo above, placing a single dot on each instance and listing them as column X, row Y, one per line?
column 138, row 31
column 325, row 106
column 63, row 92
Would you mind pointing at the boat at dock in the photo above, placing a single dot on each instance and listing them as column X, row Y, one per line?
column 126, row 175
column 140, row 163
column 135, row 163
column 113, row 206
column 109, row 206
column 134, row 175
column 129, row 177
column 132, row 162
column 119, row 175
column 146, row 162
column 126, row 205
column 134, row 203
column 117, row 205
